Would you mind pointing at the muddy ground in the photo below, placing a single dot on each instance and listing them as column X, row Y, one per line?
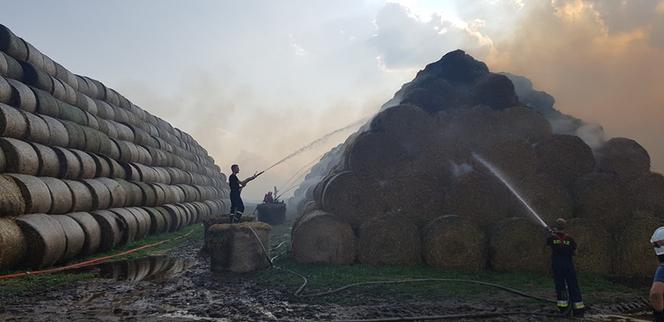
column 188, row 291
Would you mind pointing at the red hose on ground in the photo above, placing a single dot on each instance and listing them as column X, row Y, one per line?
column 87, row 263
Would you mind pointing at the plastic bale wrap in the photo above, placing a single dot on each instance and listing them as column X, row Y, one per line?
column 11, row 198
column 354, row 199
column 235, row 248
column 648, row 193
column 594, row 246
column 91, row 230
column 603, row 198
column 525, row 123
column 633, row 256
column 519, row 244
column 452, row 242
column 565, row 158
column 321, row 237
column 623, row 157
column 389, row 240
column 35, row 193
column 480, row 198
column 45, row 238
column 13, row 245
column 415, row 197
column 74, row 234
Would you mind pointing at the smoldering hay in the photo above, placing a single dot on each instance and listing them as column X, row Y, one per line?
column 84, row 170
column 412, row 167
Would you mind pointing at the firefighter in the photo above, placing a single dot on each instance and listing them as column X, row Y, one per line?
column 657, row 288
column 237, row 206
column 268, row 197
column 564, row 273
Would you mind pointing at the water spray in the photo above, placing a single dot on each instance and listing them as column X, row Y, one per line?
column 496, row 172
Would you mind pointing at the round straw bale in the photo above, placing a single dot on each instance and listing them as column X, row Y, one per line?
column 480, row 198
column 117, row 170
column 116, row 190
column 547, row 197
column 5, row 88
column 472, row 126
column 70, row 94
column 37, row 130
column 92, row 121
column 186, row 214
column 132, row 171
column 128, row 224
column 632, row 258
column 76, row 135
column 12, row 44
column 421, row 201
column 128, row 151
column 13, row 244
column 63, row 200
column 57, row 89
column 74, row 235
column 57, row 132
column 352, row 198
column 564, row 157
column 49, row 164
column 518, row 244
column 648, row 193
column 143, row 156
column 143, row 220
column 124, row 132
column 455, row 243
column 93, row 139
column 88, row 166
column 101, row 196
column 103, row 168
column 376, row 155
column 23, row 96
column 11, row 67
column 20, row 156
column 35, row 57
column 389, row 240
column 82, row 195
column 105, row 110
column 111, row 234
column 322, row 237
column 11, row 198
column 513, row 157
column 160, row 194
column 134, row 193
column 235, row 248
column 12, row 122
column 45, row 238
column 46, row 104
column 594, row 246
column 176, row 216
column 91, row 229
column 408, row 125
column 70, row 164
column 108, row 128
column 603, row 198
column 148, row 193
column 168, row 219
column 179, row 193
column 158, row 224
column 623, row 157
column 35, row 193
column 86, row 103
column 37, row 78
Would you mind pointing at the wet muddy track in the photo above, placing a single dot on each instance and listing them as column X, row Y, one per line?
column 196, row 294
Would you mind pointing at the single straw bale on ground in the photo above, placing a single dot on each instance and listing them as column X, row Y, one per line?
column 594, row 246
column 603, row 198
column 354, row 199
column 564, row 157
column 389, row 240
column 91, row 229
column 634, row 256
column 239, row 248
column 480, row 198
column 13, row 244
column 321, row 237
column 74, row 235
column 35, row 193
column 623, row 157
column 453, row 242
column 45, row 238
column 648, row 193
column 518, row 244
column 11, row 198
column 525, row 123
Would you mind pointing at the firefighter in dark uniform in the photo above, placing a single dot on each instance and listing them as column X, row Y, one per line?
column 564, row 273
column 237, row 206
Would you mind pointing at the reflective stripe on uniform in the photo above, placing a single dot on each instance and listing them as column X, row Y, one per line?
column 579, row 305
column 562, row 304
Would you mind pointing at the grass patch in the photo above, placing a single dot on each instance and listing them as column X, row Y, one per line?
column 31, row 284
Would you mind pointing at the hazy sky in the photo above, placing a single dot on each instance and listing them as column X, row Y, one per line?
column 254, row 80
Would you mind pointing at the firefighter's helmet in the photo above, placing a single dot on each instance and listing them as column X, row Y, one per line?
column 657, row 241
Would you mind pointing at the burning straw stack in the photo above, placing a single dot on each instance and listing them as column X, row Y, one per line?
column 408, row 187
column 84, row 170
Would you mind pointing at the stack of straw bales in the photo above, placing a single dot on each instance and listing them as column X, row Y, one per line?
column 84, row 170
column 407, row 188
